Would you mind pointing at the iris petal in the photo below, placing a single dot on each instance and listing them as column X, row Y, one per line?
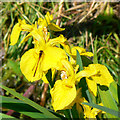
column 15, row 34
column 30, row 65
column 62, row 95
column 52, row 58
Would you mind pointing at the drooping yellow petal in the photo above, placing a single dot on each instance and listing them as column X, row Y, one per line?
column 58, row 40
column 87, row 72
column 20, row 26
column 95, row 74
column 15, row 34
column 103, row 77
column 30, row 65
column 78, row 100
column 52, row 58
column 92, row 86
column 89, row 54
column 82, row 51
column 54, row 27
column 62, row 95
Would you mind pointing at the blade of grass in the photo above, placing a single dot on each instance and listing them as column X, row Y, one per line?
column 21, row 107
column 46, row 113
column 113, row 90
column 108, row 103
column 110, row 53
column 4, row 116
column 108, row 110
column 116, row 37
column 82, row 81
column 79, row 61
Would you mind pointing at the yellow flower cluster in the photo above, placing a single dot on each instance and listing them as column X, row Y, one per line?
column 46, row 55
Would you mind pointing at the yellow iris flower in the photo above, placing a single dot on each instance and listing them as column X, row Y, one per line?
column 47, row 22
column 96, row 74
column 40, row 26
column 42, row 57
column 45, row 55
column 64, row 91
column 89, row 112
column 81, row 51
column 72, row 52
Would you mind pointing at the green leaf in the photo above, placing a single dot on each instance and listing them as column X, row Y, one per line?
column 79, row 61
column 82, row 83
column 49, row 77
column 58, row 115
column 67, row 113
column 4, row 116
column 21, row 107
column 114, row 91
column 74, row 112
column 108, row 101
column 108, row 110
column 86, row 61
column 46, row 113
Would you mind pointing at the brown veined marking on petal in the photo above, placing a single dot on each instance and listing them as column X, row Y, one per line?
column 40, row 54
column 69, row 86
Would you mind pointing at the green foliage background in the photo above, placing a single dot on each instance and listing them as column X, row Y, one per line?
column 94, row 26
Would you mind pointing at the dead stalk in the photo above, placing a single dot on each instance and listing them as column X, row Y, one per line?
column 43, row 96
column 60, row 11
